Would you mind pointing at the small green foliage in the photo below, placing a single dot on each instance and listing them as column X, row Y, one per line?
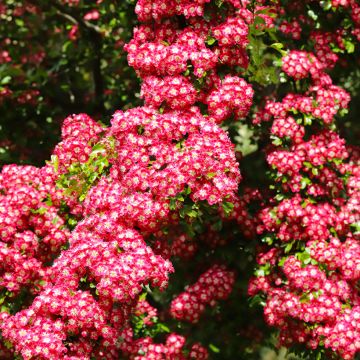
column 151, row 329
column 263, row 270
column 228, row 207
column 211, row 41
column 82, row 176
column 214, row 348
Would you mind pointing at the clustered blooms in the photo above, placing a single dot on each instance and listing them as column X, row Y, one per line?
column 146, row 349
column 118, row 185
column 105, row 252
column 292, row 29
column 234, row 95
column 118, row 189
column 157, row 9
column 354, row 8
column 213, row 285
column 326, row 45
column 79, row 134
column 322, row 100
column 179, row 65
column 309, row 274
column 34, row 54
column 300, row 64
column 169, row 152
column 32, row 231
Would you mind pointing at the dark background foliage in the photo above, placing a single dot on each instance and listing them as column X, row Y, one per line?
column 55, row 63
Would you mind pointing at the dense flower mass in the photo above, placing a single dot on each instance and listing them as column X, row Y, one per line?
column 105, row 251
column 171, row 151
column 312, row 293
column 119, row 185
column 165, row 58
column 97, row 245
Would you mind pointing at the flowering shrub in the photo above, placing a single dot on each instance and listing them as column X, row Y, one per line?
column 137, row 239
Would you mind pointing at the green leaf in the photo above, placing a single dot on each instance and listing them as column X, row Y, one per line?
column 5, row 80
column 276, row 140
column 268, row 240
column 214, row 349
column 143, row 296
column 279, row 47
column 172, row 204
column 228, row 207
column 315, row 171
column 55, row 162
column 187, row 190
column 307, row 120
column 356, row 227
column 163, row 328
column 312, row 15
column 257, row 300
column 259, row 20
column 19, row 22
column 140, row 129
column 349, row 46
column 188, row 210
column 192, row 213
column 210, row 41
column 305, row 181
column 288, row 247
column 66, row 45
column 326, row 5
column 282, row 261
column 98, row 148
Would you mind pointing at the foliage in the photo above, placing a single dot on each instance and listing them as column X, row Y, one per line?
column 54, row 61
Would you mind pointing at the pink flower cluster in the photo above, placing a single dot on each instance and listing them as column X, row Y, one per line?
column 170, row 151
column 322, row 101
column 234, row 95
column 306, row 295
column 179, row 64
column 146, row 349
column 300, row 64
column 213, row 285
column 309, row 273
column 175, row 91
column 108, row 261
column 147, row 10
column 156, row 155
column 292, row 29
column 32, row 232
column 79, row 133
column 326, row 45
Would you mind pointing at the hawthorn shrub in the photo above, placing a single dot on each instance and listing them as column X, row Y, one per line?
column 220, row 216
